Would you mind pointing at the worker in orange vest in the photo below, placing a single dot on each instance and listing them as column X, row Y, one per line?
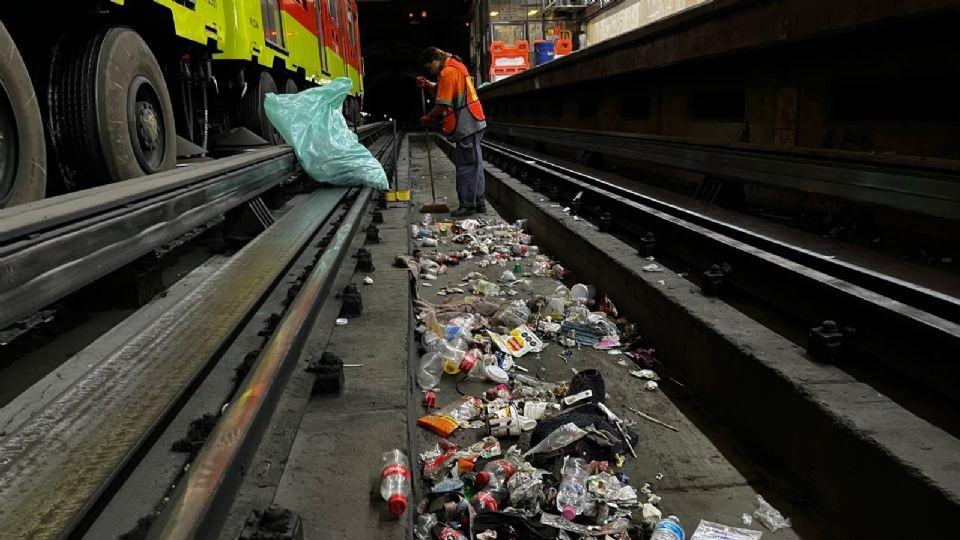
column 463, row 122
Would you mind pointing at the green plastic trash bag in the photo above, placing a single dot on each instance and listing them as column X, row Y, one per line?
column 311, row 122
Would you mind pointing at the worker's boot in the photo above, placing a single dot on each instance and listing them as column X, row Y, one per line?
column 463, row 211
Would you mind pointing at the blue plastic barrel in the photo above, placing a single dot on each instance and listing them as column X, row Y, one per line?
column 543, row 51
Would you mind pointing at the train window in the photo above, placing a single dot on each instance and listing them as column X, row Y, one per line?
column 332, row 12
column 272, row 24
column 318, row 11
column 635, row 107
column 350, row 26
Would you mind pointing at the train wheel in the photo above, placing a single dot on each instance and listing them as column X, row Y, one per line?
column 110, row 109
column 252, row 114
column 290, row 87
column 23, row 156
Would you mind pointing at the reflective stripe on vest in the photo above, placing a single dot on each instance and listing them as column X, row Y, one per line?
column 473, row 100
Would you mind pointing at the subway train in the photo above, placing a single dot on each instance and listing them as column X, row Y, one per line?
column 98, row 91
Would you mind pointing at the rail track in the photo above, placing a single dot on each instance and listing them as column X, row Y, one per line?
column 62, row 466
column 887, row 318
column 844, row 428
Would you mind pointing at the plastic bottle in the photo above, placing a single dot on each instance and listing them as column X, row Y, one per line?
column 431, row 369
column 395, row 480
column 431, row 341
column 460, row 327
column 572, row 493
column 499, row 471
column 489, row 498
column 668, row 529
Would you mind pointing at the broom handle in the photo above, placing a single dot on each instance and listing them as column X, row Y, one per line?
column 423, row 103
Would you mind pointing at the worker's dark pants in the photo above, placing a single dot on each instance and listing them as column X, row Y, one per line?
column 469, row 161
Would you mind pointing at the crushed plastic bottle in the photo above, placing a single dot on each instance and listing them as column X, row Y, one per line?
column 499, row 471
column 572, row 493
column 430, row 371
column 489, row 498
column 668, row 529
column 395, row 480
column 460, row 327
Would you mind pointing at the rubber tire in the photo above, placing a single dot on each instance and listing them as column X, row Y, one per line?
column 252, row 114
column 89, row 82
column 30, row 179
column 290, row 87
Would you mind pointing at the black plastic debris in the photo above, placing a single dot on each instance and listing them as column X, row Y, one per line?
column 274, row 523
column 329, row 371
column 352, row 301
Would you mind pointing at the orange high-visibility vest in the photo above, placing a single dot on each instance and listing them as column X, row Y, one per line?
column 472, row 99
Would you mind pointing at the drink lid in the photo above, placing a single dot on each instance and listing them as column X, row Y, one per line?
column 397, row 504
column 569, row 513
column 496, row 374
column 483, row 478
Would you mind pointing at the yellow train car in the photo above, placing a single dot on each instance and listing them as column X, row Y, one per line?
column 117, row 89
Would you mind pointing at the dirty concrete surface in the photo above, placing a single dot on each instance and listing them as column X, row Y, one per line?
column 332, row 477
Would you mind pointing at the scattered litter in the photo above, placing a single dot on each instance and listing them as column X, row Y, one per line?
column 646, row 416
column 708, row 530
column 565, row 479
column 368, row 280
column 770, row 516
column 341, row 321
column 645, row 374
column 659, row 476
column 747, row 519
column 616, row 526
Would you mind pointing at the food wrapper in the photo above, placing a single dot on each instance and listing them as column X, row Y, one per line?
column 446, row 420
column 518, row 342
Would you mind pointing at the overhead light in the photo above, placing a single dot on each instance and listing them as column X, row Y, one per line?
column 423, row 14
column 532, row 12
column 494, row 13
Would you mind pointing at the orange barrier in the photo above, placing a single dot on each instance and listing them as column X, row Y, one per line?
column 506, row 61
column 563, row 46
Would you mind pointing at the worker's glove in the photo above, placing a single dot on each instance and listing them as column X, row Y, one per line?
column 422, row 82
column 426, row 120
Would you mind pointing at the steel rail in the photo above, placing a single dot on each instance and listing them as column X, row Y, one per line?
column 44, row 266
column 929, row 300
column 918, row 344
column 928, row 192
column 56, row 468
column 200, row 502
column 53, row 247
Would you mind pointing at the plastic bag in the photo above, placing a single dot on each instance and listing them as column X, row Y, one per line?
column 448, row 419
column 769, row 515
column 564, row 435
column 708, row 530
column 311, row 122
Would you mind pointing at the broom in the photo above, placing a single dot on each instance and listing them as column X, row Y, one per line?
column 435, row 208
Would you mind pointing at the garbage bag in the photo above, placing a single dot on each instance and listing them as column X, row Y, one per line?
column 312, row 123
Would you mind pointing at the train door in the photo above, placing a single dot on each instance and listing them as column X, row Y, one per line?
column 332, row 23
column 321, row 38
column 345, row 36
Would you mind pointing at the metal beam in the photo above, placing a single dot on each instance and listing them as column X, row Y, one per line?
column 924, row 191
